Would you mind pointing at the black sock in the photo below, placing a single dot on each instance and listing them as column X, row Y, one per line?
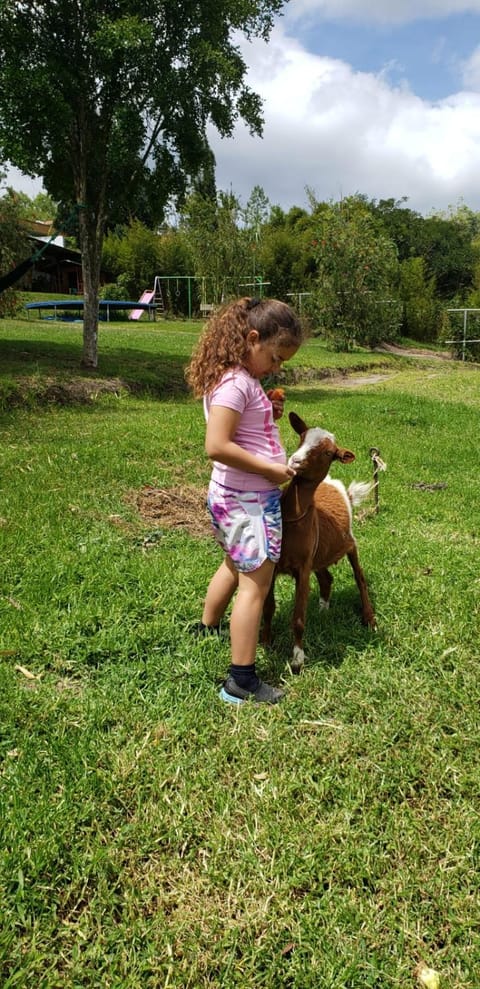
column 245, row 676
column 201, row 629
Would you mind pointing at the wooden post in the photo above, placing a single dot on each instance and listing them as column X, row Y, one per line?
column 378, row 464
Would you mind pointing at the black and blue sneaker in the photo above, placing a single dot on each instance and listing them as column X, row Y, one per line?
column 263, row 694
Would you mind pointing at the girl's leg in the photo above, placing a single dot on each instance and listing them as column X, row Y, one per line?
column 243, row 681
column 220, row 591
column 247, row 612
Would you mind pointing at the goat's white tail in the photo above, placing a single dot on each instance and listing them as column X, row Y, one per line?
column 359, row 490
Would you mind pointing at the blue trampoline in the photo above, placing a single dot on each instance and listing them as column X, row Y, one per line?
column 105, row 307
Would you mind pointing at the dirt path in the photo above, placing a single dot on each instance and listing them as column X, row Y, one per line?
column 392, row 348
column 346, row 380
column 351, row 381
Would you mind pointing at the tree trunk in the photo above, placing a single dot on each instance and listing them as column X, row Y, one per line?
column 91, row 229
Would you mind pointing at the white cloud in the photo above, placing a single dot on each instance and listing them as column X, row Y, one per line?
column 471, row 71
column 340, row 131
column 381, row 11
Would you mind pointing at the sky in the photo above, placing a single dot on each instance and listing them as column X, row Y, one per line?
column 379, row 97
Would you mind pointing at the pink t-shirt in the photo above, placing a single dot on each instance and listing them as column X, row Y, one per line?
column 257, row 432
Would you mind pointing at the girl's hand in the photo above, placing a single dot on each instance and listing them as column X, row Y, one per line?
column 277, row 398
column 279, row 473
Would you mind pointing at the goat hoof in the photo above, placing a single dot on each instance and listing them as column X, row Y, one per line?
column 296, row 668
column 298, row 660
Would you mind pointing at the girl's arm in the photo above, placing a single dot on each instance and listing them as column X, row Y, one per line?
column 222, row 425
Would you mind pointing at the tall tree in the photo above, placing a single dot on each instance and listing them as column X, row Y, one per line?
column 422, row 315
column 109, row 101
column 255, row 216
column 218, row 245
column 445, row 241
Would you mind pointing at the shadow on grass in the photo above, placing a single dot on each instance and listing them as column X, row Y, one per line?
column 46, row 372
column 25, row 362
column 318, row 394
column 328, row 634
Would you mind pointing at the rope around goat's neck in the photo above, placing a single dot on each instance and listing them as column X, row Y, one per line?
column 295, row 487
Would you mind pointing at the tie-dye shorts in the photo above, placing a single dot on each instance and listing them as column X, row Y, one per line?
column 247, row 524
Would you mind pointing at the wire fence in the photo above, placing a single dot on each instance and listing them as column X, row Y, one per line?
column 464, row 339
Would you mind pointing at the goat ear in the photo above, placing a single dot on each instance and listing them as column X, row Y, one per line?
column 345, row 456
column 297, row 424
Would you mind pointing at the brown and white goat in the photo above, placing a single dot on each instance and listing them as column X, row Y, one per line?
column 317, row 530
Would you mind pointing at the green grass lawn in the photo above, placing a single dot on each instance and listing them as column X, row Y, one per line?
column 152, row 836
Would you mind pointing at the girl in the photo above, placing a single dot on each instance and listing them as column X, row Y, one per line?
column 241, row 344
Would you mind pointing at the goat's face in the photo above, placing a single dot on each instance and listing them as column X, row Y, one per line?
column 316, row 452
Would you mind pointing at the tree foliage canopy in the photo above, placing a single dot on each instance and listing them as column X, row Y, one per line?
column 130, row 86
column 109, row 103
column 14, row 245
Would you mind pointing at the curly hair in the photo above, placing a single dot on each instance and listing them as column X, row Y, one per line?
column 223, row 343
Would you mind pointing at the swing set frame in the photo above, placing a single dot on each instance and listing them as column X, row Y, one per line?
column 205, row 307
column 175, row 278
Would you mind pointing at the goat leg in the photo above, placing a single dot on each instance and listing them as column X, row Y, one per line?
column 268, row 613
column 325, row 581
column 368, row 614
column 302, row 588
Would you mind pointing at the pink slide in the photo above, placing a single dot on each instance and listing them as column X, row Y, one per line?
column 146, row 297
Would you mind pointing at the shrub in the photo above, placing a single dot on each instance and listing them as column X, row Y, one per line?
column 354, row 302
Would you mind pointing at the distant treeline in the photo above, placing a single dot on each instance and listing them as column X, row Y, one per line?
column 362, row 270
